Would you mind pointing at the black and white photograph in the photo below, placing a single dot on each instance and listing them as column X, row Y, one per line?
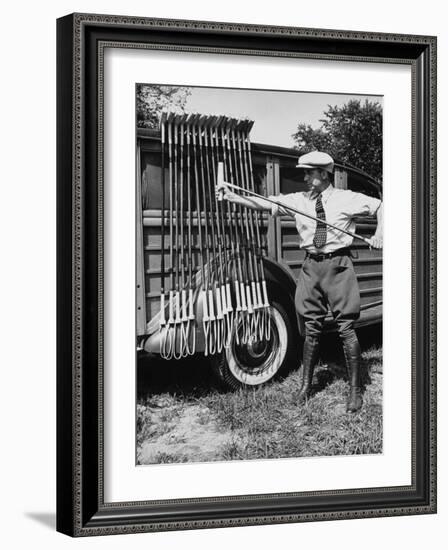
column 259, row 304
column 220, row 263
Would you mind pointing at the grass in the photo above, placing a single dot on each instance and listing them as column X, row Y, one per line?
column 267, row 423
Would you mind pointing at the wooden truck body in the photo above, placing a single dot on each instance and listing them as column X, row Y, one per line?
column 275, row 172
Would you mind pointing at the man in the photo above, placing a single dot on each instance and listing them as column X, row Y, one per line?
column 327, row 279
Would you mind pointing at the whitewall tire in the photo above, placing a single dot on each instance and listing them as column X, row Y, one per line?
column 256, row 363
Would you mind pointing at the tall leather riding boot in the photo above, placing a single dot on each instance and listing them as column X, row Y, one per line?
column 310, row 355
column 352, row 352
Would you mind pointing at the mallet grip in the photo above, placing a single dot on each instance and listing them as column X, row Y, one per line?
column 220, row 179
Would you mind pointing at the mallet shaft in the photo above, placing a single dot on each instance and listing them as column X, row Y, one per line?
column 296, row 211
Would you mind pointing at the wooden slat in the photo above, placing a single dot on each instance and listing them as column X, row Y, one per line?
column 357, row 262
column 340, row 179
column 368, row 221
column 140, row 268
column 368, row 276
column 272, row 222
column 370, row 291
column 366, row 261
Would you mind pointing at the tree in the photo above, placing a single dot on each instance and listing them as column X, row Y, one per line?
column 308, row 139
column 153, row 99
column 352, row 134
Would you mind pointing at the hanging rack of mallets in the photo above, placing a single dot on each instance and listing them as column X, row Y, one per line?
column 215, row 249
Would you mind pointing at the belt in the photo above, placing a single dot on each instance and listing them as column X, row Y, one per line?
column 320, row 257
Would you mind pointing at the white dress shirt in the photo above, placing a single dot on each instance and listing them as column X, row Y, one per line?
column 340, row 206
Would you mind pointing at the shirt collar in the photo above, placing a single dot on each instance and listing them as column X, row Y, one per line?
column 325, row 194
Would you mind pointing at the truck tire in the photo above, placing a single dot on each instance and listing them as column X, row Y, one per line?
column 251, row 365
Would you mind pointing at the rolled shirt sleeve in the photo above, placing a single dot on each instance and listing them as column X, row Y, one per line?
column 291, row 199
column 359, row 204
column 341, row 206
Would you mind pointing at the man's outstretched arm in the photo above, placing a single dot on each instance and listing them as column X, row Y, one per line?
column 255, row 203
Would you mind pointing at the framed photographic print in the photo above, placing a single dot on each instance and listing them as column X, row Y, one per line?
column 246, row 274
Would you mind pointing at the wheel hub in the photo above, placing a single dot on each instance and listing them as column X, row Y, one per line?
column 255, row 355
column 256, row 362
column 256, row 348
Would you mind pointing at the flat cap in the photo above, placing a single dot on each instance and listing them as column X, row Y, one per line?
column 316, row 159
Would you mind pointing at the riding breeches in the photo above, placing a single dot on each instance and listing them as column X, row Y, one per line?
column 328, row 284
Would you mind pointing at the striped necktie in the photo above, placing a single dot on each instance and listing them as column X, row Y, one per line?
column 320, row 236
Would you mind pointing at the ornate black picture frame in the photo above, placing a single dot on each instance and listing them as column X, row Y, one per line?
column 81, row 508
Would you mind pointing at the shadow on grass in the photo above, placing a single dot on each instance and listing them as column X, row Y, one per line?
column 332, row 362
column 189, row 377
column 193, row 377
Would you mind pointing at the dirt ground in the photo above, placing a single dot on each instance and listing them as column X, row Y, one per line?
column 184, row 416
column 187, row 436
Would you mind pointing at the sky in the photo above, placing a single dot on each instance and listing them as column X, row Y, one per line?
column 276, row 114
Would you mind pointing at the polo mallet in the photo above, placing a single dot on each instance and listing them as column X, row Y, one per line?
column 168, row 336
column 162, row 326
column 215, row 324
column 221, row 298
column 204, row 280
column 216, row 239
column 209, row 318
column 226, row 236
column 185, row 322
column 251, row 294
column 241, row 307
column 244, row 247
column 263, row 292
column 191, row 332
column 296, row 211
column 177, row 338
